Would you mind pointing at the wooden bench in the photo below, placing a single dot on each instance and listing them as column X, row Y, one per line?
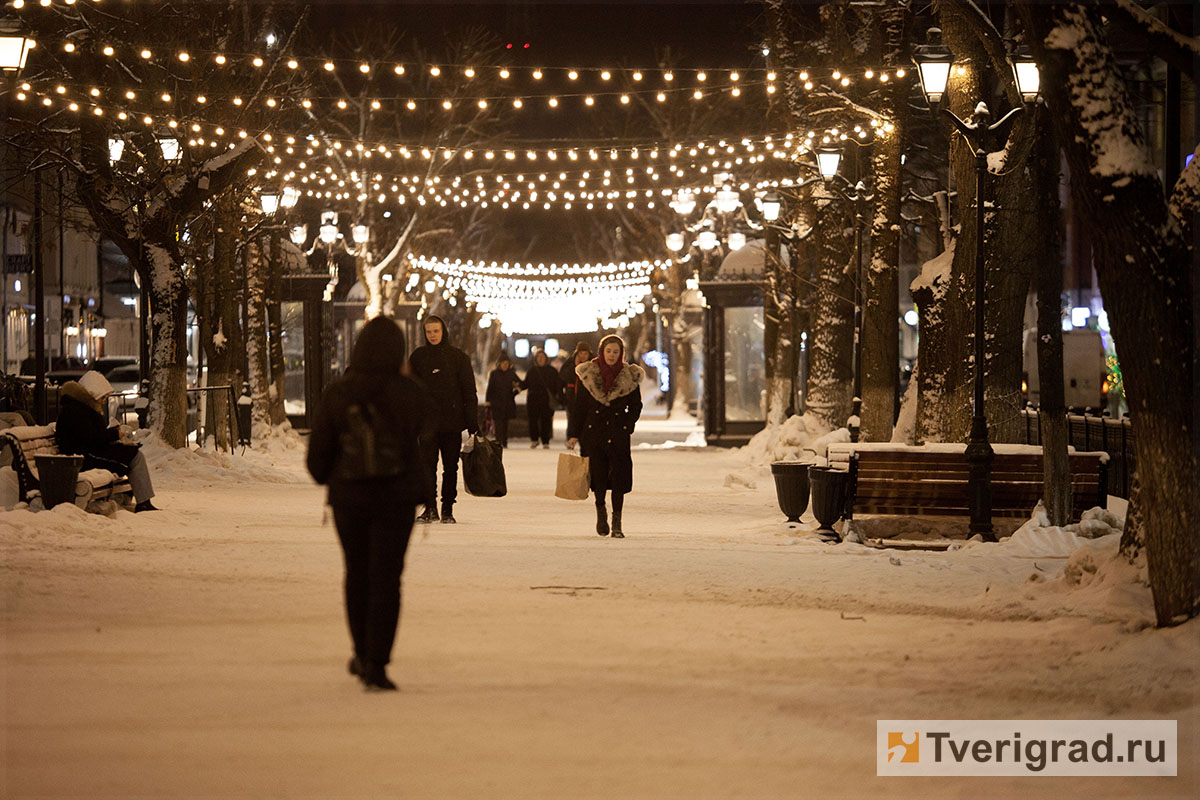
column 932, row 479
column 25, row 442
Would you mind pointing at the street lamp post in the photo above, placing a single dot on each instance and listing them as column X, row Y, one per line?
column 934, row 61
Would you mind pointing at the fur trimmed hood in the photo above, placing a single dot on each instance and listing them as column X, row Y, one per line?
column 628, row 380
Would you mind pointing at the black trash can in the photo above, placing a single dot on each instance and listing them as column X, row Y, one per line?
column 791, row 487
column 828, row 498
column 57, row 476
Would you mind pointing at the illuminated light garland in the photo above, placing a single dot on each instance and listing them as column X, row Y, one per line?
column 530, row 299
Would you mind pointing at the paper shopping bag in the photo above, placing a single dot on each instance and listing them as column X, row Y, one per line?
column 572, row 481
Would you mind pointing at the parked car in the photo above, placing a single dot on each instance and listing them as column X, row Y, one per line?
column 125, row 379
column 106, row 364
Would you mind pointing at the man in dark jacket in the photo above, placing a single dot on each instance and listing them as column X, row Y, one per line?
column 446, row 373
column 541, row 384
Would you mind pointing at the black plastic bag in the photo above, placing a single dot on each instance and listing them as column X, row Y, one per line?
column 483, row 468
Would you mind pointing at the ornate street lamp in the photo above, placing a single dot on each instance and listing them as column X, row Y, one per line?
column 172, row 152
column 269, row 199
column 829, row 157
column 14, row 49
column 933, row 63
column 771, row 206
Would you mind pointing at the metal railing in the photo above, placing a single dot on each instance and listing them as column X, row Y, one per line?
column 1086, row 432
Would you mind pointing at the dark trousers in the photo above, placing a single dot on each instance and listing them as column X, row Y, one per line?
column 501, row 430
column 374, row 541
column 541, row 424
column 448, row 445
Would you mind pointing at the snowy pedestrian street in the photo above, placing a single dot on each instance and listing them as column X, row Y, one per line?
column 201, row 651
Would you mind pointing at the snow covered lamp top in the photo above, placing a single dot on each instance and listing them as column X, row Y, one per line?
column 14, row 49
column 933, row 66
column 1026, row 74
column 828, row 159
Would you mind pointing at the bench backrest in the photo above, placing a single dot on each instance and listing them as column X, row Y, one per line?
column 921, row 481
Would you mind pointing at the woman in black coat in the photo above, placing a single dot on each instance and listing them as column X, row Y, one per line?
column 569, row 380
column 503, row 386
column 364, row 447
column 608, row 402
column 541, row 383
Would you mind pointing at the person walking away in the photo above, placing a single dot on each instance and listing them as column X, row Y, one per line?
column 364, row 447
column 569, row 380
column 608, row 402
column 83, row 429
column 541, row 383
column 445, row 371
column 502, row 388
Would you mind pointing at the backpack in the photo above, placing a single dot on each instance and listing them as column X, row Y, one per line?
column 369, row 447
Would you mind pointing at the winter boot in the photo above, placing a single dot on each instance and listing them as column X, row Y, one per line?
column 447, row 516
column 375, row 679
column 355, row 667
column 616, row 525
column 429, row 515
column 601, row 520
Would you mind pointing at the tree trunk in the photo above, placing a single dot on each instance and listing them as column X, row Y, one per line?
column 220, row 314
column 168, row 356
column 831, row 338
column 1052, row 410
column 881, row 309
column 256, row 338
column 935, row 352
column 778, row 335
column 1144, row 265
column 277, row 411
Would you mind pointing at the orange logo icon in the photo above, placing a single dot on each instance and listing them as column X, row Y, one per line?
column 903, row 747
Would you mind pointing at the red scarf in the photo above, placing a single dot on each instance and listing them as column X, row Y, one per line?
column 608, row 374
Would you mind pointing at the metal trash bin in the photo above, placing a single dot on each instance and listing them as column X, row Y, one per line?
column 57, row 476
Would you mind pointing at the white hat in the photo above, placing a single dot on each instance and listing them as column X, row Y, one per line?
column 95, row 384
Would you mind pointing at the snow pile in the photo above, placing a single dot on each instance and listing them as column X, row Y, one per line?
column 1037, row 538
column 800, row 438
column 278, row 459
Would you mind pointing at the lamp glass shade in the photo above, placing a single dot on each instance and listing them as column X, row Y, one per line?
column 684, row 203
column 1029, row 79
column 674, row 242
column 828, row 159
column 771, row 206
column 269, row 201
column 290, row 197
column 115, row 148
column 361, row 233
column 727, row 200
column 329, row 234
column 13, row 52
column 171, row 151
column 430, row 286
column 736, row 240
column 299, row 234
column 706, row 240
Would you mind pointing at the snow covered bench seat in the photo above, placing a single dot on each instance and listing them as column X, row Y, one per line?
column 932, row 479
column 27, row 441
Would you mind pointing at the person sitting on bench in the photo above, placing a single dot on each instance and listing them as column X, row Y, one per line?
column 83, row 429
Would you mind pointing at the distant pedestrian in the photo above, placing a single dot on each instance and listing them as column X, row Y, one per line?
column 569, row 380
column 541, row 384
column 608, row 402
column 83, row 429
column 364, row 448
column 503, row 386
column 446, row 373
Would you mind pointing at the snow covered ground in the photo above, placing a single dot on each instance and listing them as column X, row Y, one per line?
column 715, row 652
